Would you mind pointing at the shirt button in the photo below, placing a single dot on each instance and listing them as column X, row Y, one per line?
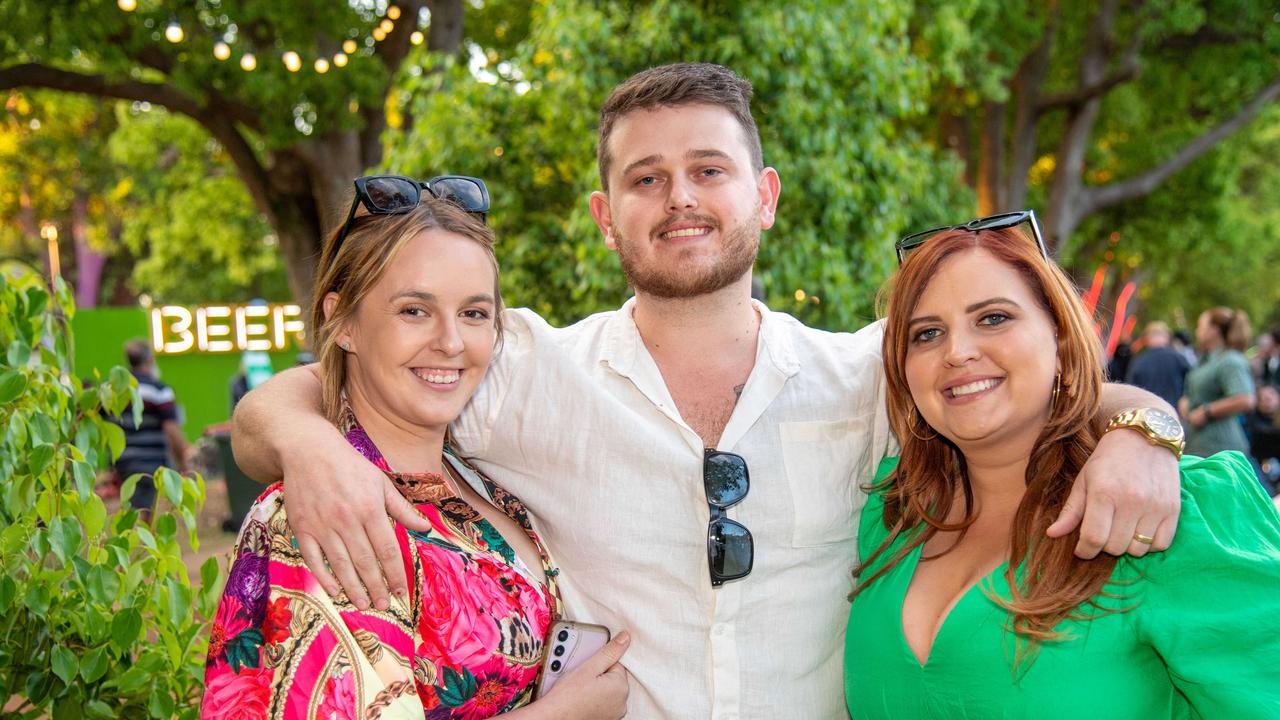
column 719, row 631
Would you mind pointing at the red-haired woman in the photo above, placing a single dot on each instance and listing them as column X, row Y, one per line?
column 964, row 608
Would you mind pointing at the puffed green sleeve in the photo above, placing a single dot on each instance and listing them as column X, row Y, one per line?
column 871, row 529
column 1210, row 604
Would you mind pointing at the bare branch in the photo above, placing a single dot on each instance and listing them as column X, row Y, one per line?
column 1104, row 196
column 392, row 51
column 1129, row 69
column 219, row 125
column 1081, row 95
column 252, row 172
column 1204, row 37
column 1062, row 210
column 395, row 47
column 42, row 76
column 151, row 56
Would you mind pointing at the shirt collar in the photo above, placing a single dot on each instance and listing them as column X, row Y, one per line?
column 623, row 344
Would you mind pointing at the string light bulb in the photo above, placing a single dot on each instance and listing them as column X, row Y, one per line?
column 173, row 32
column 221, row 50
column 393, row 12
column 292, row 61
column 416, row 38
column 340, row 60
column 248, row 62
column 387, row 26
column 322, row 65
column 379, row 34
column 128, row 5
column 349, row 47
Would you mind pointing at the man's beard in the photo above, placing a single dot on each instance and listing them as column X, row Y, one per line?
column 737, row 255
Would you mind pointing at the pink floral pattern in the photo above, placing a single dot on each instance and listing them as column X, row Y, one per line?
column 467, row 645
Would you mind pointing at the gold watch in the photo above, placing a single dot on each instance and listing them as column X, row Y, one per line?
column 1159, row 427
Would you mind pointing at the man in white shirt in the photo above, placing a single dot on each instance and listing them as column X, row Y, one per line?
column 603, row 429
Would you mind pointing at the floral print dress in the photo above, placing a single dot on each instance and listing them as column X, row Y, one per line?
column 466, row 645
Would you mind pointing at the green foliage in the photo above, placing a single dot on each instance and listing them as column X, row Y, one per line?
column 161, row 199
column 1231, row 230
column 834, row 83
column 187, row 216
column 97, row 609
column 1209, row 235
column 1199, row 63
column 51, row 152
column 97, row 37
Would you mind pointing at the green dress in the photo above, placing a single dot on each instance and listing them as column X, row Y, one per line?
column 1202, row 640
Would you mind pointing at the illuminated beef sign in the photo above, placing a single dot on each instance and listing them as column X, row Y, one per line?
column 226, row 328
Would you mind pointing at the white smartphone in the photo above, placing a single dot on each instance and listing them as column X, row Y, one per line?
column 568, row 645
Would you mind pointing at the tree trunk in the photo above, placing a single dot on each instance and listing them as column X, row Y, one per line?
column 89, row 262
column 304, row 190
column 1064, row 210
column 1026, row 94
column 991, row 160
column 953, row 131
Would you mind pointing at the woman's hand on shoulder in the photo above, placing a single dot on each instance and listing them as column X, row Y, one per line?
column 595, row 690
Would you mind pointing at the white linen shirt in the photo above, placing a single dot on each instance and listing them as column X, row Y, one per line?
column 579, row 424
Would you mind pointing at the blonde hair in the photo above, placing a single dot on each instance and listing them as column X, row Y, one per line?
column 354, row 268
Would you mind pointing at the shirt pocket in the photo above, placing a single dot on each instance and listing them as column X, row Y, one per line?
column 824, row 462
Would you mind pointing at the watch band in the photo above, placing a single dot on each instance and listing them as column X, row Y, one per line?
column 1137, row 420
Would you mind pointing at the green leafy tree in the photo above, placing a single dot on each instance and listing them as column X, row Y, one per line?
column 53, row 170
column 145, row 201
column 835, row 84
column 100, row 619
column 1080, row 107
column 1211, row 236
column 295, row 138
column 190, row 222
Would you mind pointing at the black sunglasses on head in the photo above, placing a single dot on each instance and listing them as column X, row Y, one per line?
column 730, row 549
column 396, row 194
column 906, row 245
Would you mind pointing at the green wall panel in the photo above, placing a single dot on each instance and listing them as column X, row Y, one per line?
column 202, row 381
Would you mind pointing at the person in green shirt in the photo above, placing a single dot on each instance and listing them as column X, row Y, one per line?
column 964, row 607
column 1220, row 389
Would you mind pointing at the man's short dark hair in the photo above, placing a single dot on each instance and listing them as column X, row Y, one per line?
column 673, row 86
column 138, row 353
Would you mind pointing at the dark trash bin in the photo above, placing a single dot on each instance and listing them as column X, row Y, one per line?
column 242, row 490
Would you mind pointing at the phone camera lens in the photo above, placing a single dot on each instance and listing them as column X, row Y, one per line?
column 559, row 650
column 564, row 635
column 555, row 666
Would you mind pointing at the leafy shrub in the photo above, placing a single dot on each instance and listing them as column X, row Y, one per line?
column 97, row 616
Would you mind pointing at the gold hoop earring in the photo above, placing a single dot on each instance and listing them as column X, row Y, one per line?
column 912, row 414
column 1057, row 390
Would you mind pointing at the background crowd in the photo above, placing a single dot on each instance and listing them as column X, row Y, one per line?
column 1234, row 374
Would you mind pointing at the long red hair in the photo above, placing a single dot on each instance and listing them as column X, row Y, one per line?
column 931, row 475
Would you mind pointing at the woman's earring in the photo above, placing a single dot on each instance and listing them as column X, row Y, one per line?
column 1057, row 390
column 911, row 426
column 346, row 347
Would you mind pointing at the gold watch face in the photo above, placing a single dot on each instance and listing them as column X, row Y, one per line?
column 1162, row 425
